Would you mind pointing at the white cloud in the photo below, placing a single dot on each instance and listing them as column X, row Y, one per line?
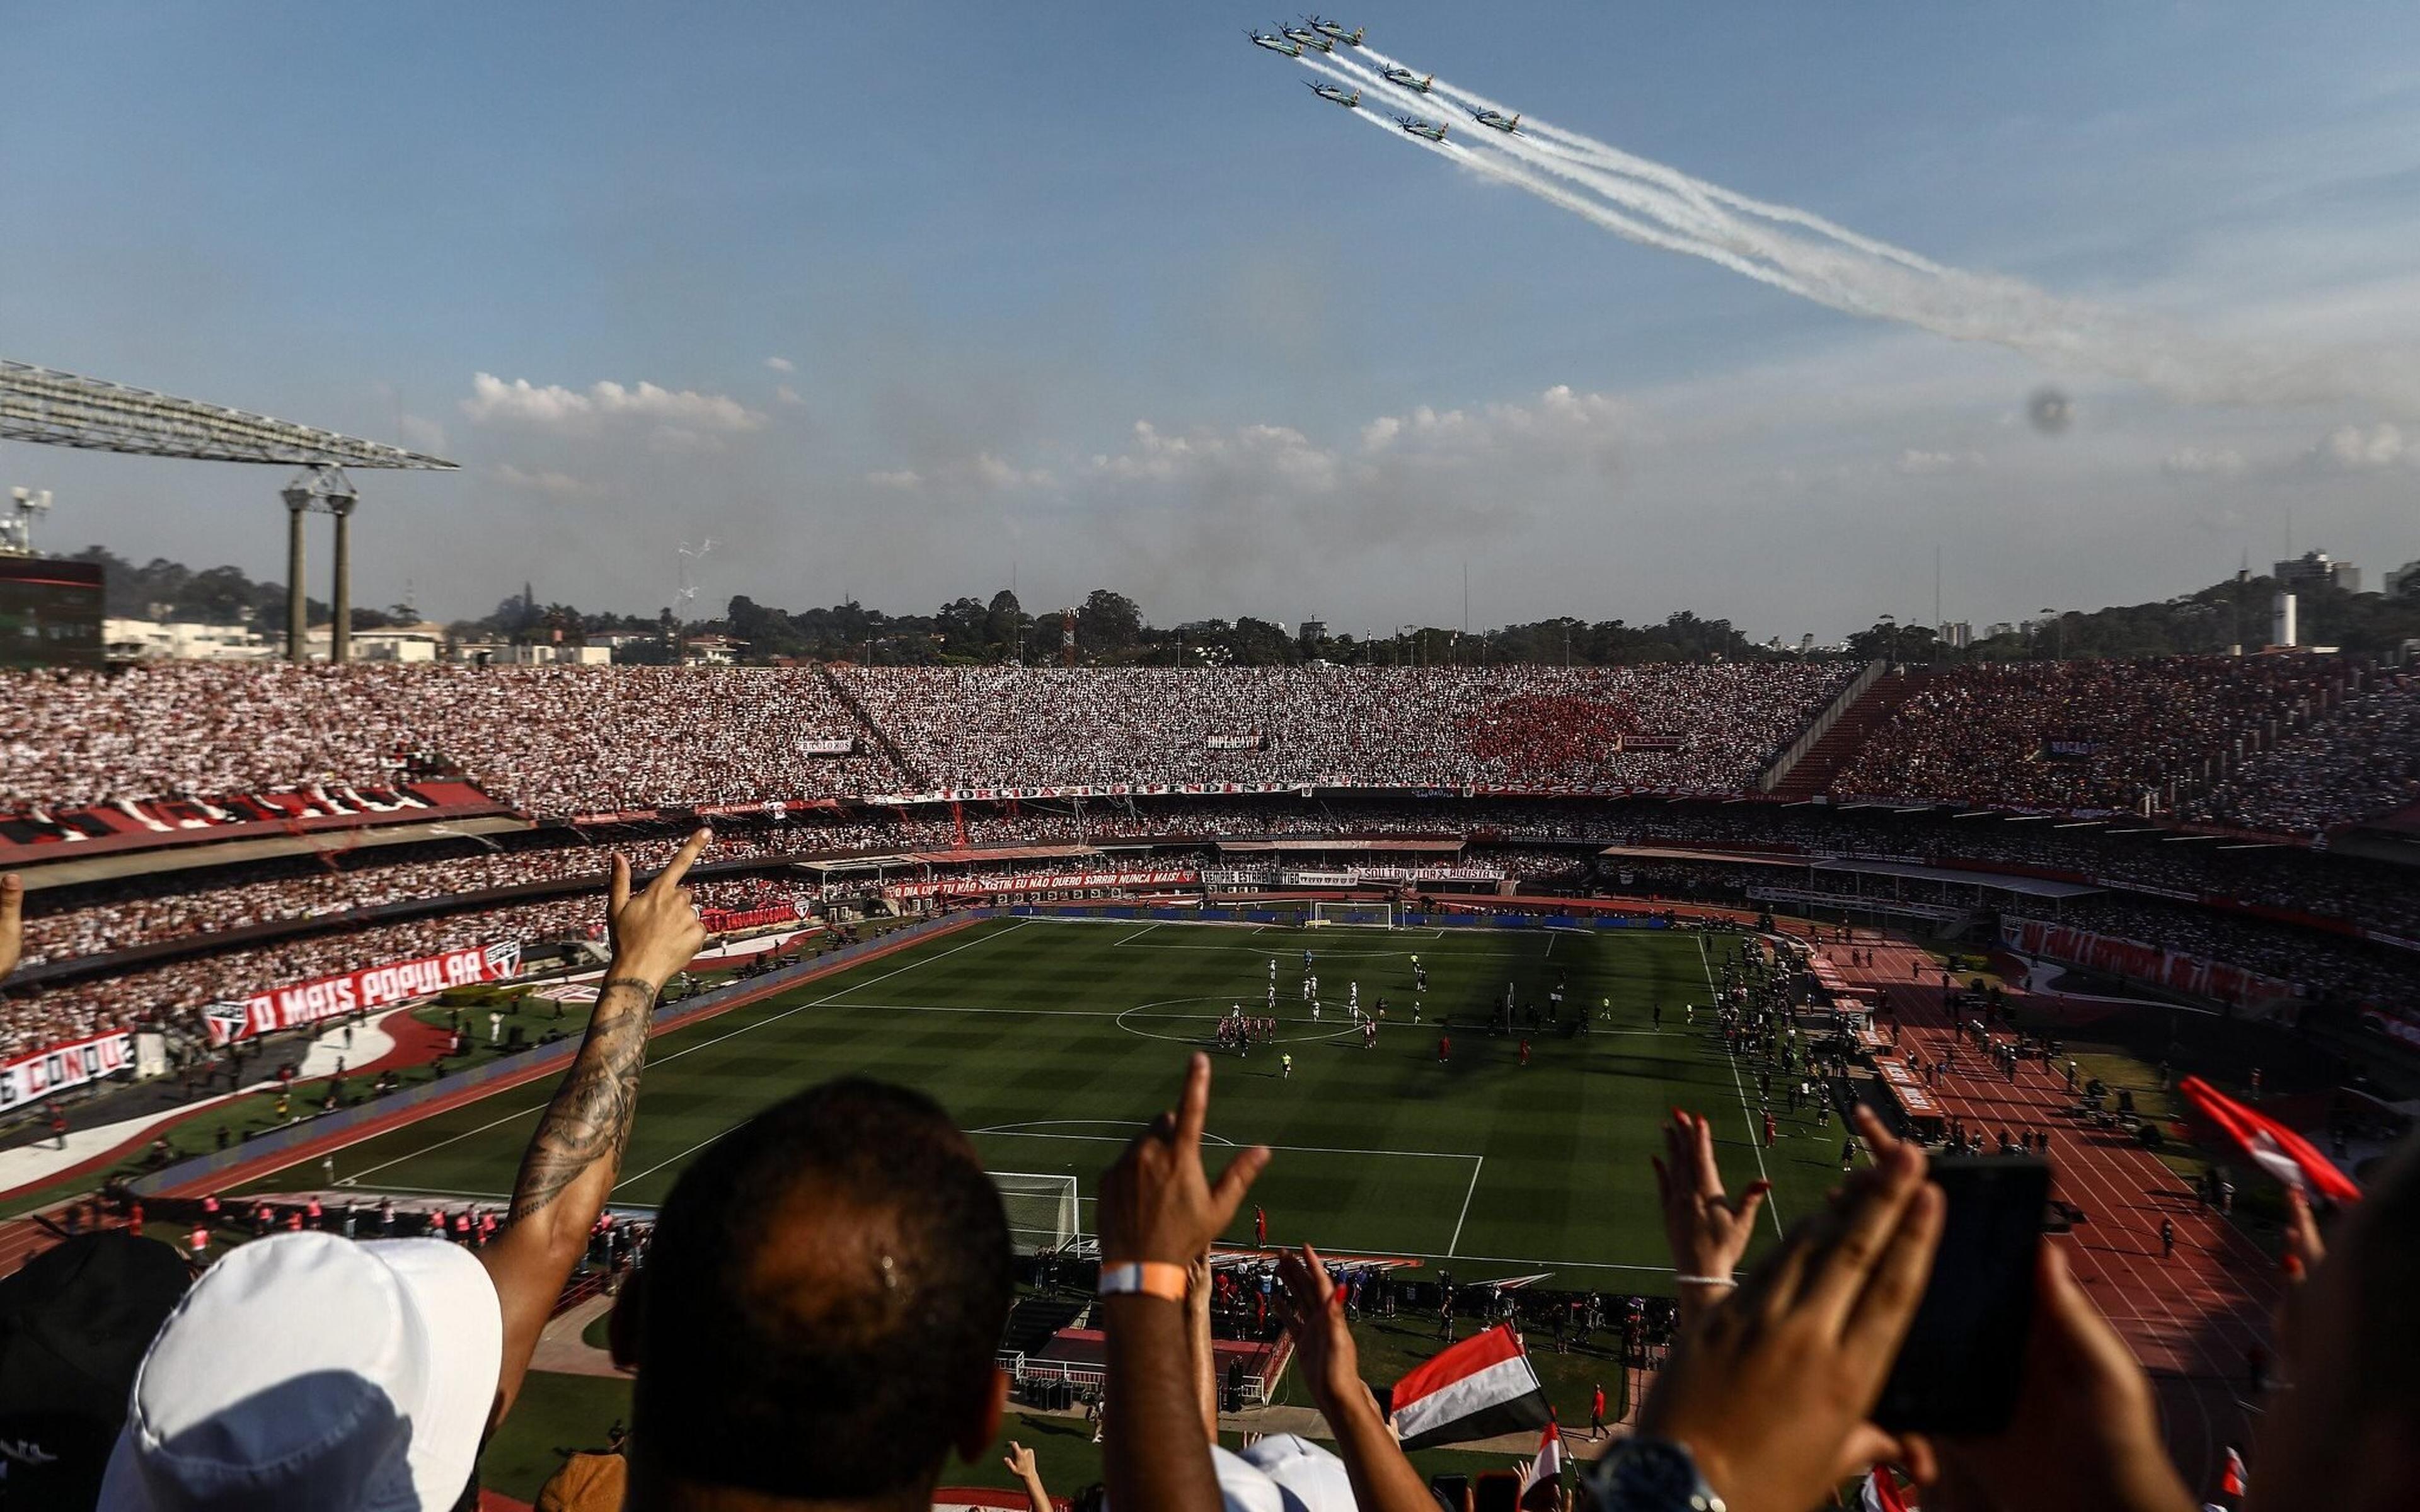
column 421, row 434
column 2194, row 462
column 786, row 394
column 780, row 364
column 902, row 480
column 1916, row 464
column 494, row 401
column 541, row 480
column 2353, row 449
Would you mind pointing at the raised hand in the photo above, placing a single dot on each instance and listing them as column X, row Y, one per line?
column 655, row 933
column 13, row 922
column 1332, row 1362
column 2086, row 1431
column 1708, row 1231
column 1771, row 1388
column 1156, row 1202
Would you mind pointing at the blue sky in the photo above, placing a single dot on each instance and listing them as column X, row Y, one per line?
column 991, row 243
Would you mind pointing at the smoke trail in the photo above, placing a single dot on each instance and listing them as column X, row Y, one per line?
column 1802, row 253
column 1612, row 220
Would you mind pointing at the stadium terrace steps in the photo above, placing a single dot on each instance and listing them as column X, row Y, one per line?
column 1034, row 1321
column 1814, row 772
column 874, row 731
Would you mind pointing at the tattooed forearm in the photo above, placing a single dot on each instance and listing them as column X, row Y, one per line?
column 589, row 1121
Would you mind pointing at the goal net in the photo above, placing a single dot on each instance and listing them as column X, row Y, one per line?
column 1352, row 915
column 1041, row 1210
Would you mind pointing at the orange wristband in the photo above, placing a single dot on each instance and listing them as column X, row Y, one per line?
column 1148, row 1278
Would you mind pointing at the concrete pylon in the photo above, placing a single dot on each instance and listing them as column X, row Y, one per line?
column 340, row 628
column 298, row 616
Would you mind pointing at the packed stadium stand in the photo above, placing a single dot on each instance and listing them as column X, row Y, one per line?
column 964, row 770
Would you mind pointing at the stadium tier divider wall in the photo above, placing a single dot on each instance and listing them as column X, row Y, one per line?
column 376, row 1116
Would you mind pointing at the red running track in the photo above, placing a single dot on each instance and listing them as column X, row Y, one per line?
column 2191, row 1317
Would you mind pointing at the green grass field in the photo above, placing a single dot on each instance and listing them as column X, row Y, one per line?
column 1050, row 1041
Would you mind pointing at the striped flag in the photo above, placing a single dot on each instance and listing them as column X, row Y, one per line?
column 1881, row 1492
column 1542, row 1484
column 2270, row 1145
column 1479, row 1388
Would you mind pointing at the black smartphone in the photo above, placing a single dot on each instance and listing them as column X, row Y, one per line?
column 1495, row 1490
column 1957, row 1371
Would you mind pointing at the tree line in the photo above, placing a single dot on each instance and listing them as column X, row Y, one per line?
column 1108, row 628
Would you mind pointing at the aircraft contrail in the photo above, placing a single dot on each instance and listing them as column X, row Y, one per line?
column 1806, row 254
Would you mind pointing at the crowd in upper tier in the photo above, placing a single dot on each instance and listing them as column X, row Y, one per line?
column 2293, row 743
column 2082, row 734
column 1695, row 728
column 2360, row 761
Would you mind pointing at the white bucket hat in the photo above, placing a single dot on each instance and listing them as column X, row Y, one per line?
column 307, row 1371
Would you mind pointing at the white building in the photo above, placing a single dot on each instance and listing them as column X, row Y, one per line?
column 181, row 640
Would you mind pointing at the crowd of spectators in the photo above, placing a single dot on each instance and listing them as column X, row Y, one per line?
column 2081, row 734
column 550, row 739
column 2063, row 734
column 99, row 917
column 2361, row 760
column 1711, row 728
column 172, row 994
column 1511, row 834
column 825, row 1287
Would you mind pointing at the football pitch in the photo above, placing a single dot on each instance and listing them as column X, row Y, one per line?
column 1050, row 1041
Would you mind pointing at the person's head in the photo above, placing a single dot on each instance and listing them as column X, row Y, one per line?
column 2347, row 1434
column 820, row 1308
column 306, row 1372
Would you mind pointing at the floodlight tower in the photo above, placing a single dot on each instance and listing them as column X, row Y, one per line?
column 17, row 531
column 327, row 488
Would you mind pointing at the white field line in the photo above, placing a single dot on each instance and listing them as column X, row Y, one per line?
column 775, row 1018
column 1755, row 1135
column 1455, row 1242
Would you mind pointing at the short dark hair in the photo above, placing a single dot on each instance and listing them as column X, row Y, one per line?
column 823, row 1300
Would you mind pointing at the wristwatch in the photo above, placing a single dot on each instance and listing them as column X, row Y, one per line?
column 1651, row 1475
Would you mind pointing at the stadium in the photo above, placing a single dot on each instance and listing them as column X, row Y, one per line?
column 816, row 1022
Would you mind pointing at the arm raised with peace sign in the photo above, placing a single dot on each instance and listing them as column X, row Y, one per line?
column 573, row 1159
column 1160, row 1208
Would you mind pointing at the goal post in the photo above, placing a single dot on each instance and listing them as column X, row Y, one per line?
column 1041, row 1210
column 1373, row 914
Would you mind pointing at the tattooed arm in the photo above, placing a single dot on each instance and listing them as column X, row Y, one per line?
column 573, row 1159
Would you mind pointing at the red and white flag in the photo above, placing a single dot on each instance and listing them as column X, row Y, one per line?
column 1479, row 1388
column 1542, row 1484
column 2270, row 1145
column 1881, row 1493
column 2230, row 1479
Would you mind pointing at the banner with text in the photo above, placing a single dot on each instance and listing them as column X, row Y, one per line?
column 308, row 1002
column 1040, row 881
column 2138, row 961
column 32, row 1078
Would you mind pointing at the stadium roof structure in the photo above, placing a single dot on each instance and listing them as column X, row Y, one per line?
column 53, row 408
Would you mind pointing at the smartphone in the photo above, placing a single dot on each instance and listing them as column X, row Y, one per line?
column 1957, row 1372
column 1495, row 1490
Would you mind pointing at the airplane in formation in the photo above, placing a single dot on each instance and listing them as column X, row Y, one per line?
column 1434, row 130
column 1507, row 124
column 1276, row 43
column 1305, row 37
column 1406, row 78
column 1336, row 94
column 1335, row 31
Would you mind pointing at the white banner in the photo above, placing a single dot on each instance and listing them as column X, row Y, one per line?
column 817, row 746
column 1038, row 882
column 34, row 1078
column 308, row 1002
